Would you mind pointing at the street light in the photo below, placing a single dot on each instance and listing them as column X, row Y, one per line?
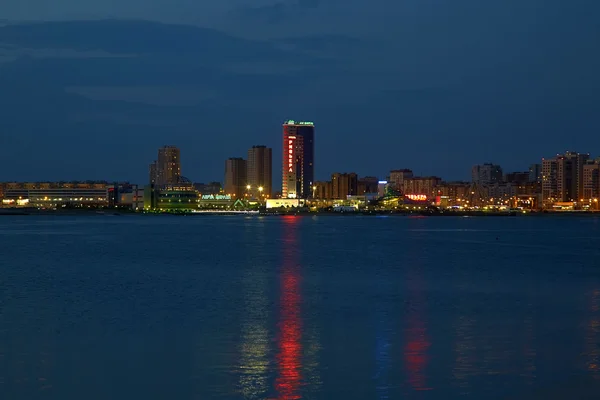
column 260, row 190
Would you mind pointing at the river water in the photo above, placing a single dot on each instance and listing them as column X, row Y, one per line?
column 236, row 307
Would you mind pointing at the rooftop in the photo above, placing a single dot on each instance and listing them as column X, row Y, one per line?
column 292, row 122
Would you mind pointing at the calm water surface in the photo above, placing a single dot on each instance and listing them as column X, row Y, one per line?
column 135, row 307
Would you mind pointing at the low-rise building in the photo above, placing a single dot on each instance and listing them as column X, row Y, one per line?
column 285, row 203
column 453, row 193
column 57, row 194
column 422, row 185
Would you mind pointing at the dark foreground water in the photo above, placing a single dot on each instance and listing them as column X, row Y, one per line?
column 136, row 307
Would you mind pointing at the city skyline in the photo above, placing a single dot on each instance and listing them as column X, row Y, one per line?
column 171, row 173
column 299, row 199
column 380, row 103
column 567, row 177
column 569, row 181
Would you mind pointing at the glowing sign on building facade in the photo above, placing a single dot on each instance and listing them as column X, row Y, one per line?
column 298, row 159
column 291, row 153
column 216, row 197
column 416, row 197
column 292, row 122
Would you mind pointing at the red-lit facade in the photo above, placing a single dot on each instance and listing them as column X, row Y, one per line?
column 298, row 160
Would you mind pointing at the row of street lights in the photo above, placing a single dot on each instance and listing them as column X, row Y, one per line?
column 260, row 190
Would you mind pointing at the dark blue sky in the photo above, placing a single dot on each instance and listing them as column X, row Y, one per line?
column 432, row 85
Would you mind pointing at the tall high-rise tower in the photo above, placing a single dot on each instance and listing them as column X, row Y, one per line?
column 563, row 177
column 152, row 172
column 298, row 172
column 259, row 171
column 486, row 174
column 235, row 177
column 168, row 166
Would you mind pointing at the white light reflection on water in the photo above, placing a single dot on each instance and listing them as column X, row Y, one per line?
column 383, row 346
column 255, row 351
column 592, row 335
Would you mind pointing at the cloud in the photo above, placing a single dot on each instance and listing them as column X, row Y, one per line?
column 471, row 77
column 277, row 12
column 131, row 36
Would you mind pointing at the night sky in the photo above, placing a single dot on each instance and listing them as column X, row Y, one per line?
column 431, row 85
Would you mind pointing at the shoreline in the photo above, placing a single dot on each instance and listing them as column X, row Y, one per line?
column 255, row 213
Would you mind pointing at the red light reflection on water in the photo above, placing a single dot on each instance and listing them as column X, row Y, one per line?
column 289, row 379
column 415, row 354
column 416, row 350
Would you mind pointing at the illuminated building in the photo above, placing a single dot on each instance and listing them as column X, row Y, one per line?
column 298, row 159
column 562, row 177
column 454, row 191
column 133, row 198
column 152, row 173
column 422, row 185
column 323, row 190
column 570, row 175
column 181, row 196
column 535, row 173
column 235, row 177
column 502, row 191
column 486, row 174
column 57, row 194
column 166, row 170
column 549, row 182
column 397, row 178
column 285, row 203
column 344, row 185
column 215, row 201
column 174, row 198
column 368, row 184
column 259, row 171
column 382, row 188
column 209, row 188
column 591, row 181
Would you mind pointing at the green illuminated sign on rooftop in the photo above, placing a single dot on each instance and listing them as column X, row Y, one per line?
column 292, row 122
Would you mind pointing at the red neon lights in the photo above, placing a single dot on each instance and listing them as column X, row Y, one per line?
column 416, row 197
column 291, row 140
